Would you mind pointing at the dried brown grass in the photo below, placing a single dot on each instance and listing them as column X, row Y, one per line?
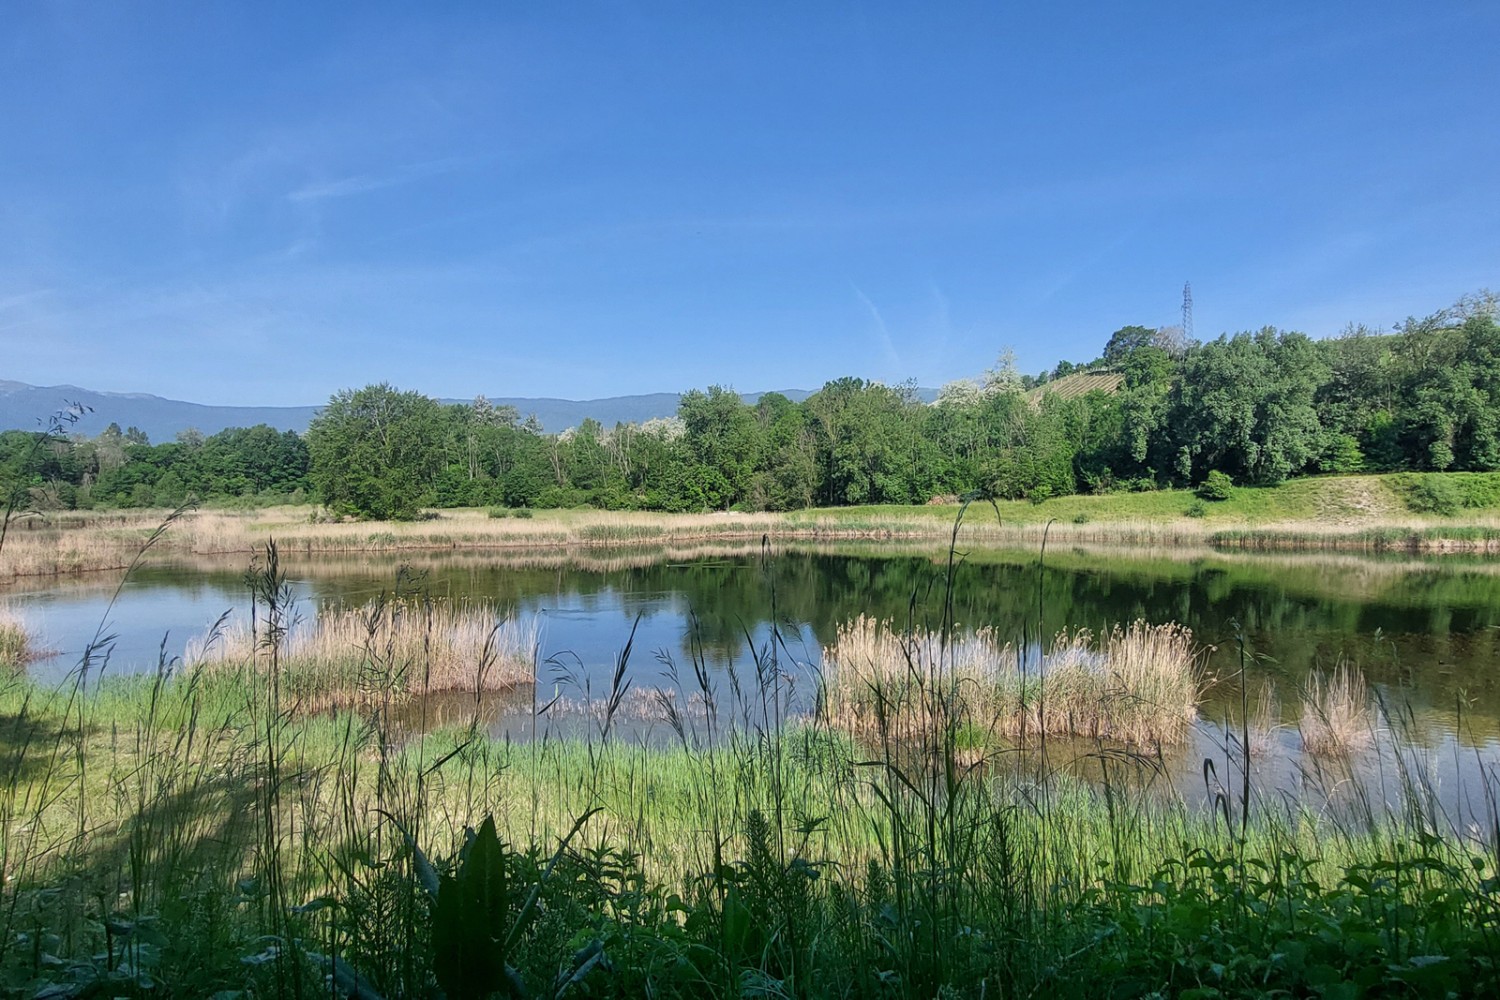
column 1136, row 684
column 15, row 639
column 385, row 647
column 1337, row 718
column 79, row 542
column 1265, row 721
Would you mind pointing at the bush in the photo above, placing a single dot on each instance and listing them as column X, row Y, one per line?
column 524, row 513
column 558, row 497
column 1431, row 495
column 1080, row 518
column 1447, row 493
column 499, row 512
column 1098, row 481
column 1343, row 455
column 1197, row 509
column 1216, row 486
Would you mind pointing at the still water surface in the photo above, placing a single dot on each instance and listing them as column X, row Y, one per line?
column 1426, row 634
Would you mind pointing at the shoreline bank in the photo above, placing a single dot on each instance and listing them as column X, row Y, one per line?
column 1347, row 514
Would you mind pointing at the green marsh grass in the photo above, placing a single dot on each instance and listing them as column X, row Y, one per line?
column 1388, row 538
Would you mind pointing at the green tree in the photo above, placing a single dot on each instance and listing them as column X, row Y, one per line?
column 725, row 441
column 1144, row 402
column 1245, row 406
column 788, row 472
column 374, row 452
column 1035, row 456
column 1126, row 341
column 870, row 447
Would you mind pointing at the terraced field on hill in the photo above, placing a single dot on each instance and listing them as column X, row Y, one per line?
column 1079, row 384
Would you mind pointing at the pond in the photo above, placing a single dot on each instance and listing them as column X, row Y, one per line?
column 1425, row 634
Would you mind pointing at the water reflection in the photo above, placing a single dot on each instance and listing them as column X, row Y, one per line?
column 1424, row 632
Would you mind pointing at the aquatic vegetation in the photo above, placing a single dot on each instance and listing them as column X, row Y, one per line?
column 1135, row 684
column 15, row 640
column 1336, row 713
column 406, row 644
column 227, row 844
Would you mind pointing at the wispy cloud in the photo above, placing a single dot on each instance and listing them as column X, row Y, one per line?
column 23, row 298
column 882, row 332
column 357, row 184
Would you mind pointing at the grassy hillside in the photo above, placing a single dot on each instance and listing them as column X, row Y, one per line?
column 1332, row 500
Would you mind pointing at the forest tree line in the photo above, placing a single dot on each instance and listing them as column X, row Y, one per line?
column 1260, row 407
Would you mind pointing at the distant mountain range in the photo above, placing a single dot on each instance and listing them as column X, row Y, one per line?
column 28, row 407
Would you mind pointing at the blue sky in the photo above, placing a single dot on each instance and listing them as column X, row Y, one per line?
column 264, row 204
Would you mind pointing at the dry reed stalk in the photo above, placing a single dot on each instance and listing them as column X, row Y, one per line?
column 409, row 647
column 15, row 640
column 87, row 541
column 1265, row 721
column 1336, row 714
column 1136, row 684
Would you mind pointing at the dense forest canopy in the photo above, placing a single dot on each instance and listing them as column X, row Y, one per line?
column 1258, row 407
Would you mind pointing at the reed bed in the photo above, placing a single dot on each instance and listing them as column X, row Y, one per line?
column 1135, row 684
column 388, row 645
column 92, row 542
column 1265, row 721
column 1414, row 536
column 1336, row 714
column 15, row 639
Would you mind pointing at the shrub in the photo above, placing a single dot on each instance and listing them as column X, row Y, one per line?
column 1216, row 486
column 1447, row 492
column 499, row 512
column 1197, row 509
column 524, row 513
column 1343, row 455
column 1080, row 518
column 1429, row 494
column 561, row 497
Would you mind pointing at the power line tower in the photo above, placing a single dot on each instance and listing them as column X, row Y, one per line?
column 1187, row 311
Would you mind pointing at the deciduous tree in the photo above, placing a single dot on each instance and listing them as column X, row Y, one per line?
column 376, row 451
